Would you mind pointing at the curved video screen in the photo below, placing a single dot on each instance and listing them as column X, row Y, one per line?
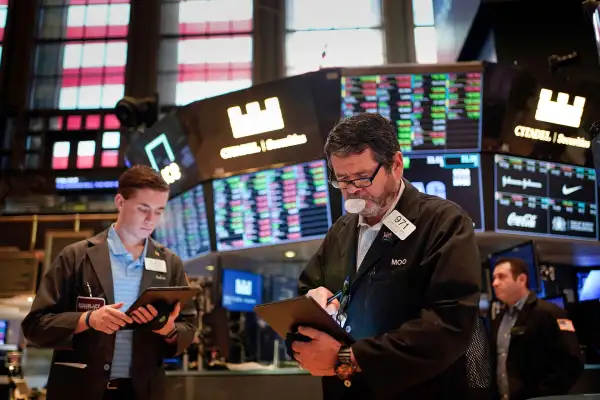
column 545, row 198
column 456, row 177
column 272, row 206
column 433, row 112
column 184, row 227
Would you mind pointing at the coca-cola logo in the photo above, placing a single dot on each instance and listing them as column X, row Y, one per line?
column 522, row 221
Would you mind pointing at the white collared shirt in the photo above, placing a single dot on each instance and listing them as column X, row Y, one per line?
column 367, row 233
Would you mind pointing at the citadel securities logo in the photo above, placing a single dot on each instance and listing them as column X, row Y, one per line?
column 559, row 112
column 256, row 122
column 243, row 287
column 522, row 221
column 522, row 183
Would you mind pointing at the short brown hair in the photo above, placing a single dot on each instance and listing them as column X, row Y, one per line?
column 355, row 134
column 141, row 177
column 517, row 266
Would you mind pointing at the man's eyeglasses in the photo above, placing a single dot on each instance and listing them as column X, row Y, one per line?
column 358, row 183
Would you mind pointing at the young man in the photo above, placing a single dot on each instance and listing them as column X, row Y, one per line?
column 412, row 270
column 535, row 349
column 79, row 309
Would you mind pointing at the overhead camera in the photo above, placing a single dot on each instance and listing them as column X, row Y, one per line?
column 137, row 114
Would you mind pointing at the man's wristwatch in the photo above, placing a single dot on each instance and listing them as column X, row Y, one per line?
column 344, row 367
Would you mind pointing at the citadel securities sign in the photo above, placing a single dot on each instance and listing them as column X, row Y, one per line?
column 256, row 122
column 558, row 112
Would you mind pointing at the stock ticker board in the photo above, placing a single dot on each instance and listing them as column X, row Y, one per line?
column 184, row 227
column 545, row 198
column 272, row 206
column 435, row 112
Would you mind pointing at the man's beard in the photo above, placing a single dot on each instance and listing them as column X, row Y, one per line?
column 377, row 206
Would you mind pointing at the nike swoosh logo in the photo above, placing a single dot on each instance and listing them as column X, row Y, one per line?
column 567, row 191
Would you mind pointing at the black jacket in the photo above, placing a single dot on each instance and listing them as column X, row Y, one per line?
column 53, row 318
column 414, row 304
column 543, row 359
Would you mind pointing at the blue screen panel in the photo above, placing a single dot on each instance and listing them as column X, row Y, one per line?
column 241, row 290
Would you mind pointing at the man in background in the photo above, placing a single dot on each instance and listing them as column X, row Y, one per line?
column 535, row 350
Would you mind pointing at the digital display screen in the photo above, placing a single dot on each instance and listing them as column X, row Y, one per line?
column 431, row 111
column 241, row 290
column 456, row 177
column 165, row 148
column 283, row 288
column 3, row 329
column 183, row 227
column 545, row 198
column 525, row 252
column 77, row 183
column 559, row 301
column 278, row 122
column 588, row 285
column 272, row 206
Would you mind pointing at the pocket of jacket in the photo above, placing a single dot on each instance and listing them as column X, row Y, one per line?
column 72, row 365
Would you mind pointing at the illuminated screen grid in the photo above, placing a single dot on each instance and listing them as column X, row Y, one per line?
column 454, row 177
column 184, row 226
column 86, row 152
column 272, row 206
column 211, row 53
column 3, row 16
column 432, row 112
column 81, row 54
column 545, row 198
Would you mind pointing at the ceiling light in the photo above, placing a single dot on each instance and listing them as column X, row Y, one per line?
column 289, row 254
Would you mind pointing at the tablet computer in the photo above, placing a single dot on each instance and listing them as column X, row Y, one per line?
column 287, row 315
column 168, row 294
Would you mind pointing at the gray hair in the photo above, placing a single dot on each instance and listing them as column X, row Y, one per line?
column 355, row 134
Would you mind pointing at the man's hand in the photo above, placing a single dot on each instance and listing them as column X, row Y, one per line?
column 321, row 295
column 144, row 314
column 318, row 356
column 109, row 319
column 170, row 325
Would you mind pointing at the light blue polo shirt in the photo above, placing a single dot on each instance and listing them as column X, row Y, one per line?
column 127, row 277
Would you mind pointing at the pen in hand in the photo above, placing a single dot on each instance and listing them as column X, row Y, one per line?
column 337, row 296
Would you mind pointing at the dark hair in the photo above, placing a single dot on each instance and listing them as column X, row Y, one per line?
column 355, row 134
column 141, row 177
column 517, row 266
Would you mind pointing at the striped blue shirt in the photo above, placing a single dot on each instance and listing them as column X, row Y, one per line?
column 127, row 276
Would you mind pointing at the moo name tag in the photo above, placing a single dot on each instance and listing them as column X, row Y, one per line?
column 399, row 224
column 156, row 265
